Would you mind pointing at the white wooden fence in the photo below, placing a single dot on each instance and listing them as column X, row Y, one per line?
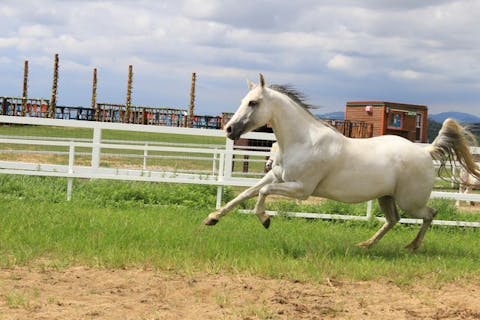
column 221, row 157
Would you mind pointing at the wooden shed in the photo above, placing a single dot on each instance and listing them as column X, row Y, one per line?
column 406, row 120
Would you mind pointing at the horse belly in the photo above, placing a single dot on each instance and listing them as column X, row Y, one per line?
column 353, row 188
column 389, row 167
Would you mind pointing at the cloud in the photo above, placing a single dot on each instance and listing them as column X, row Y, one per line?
column 341, row 62
column 406, row 74
column 332, row 50
column 34, row 31
column 5, row 60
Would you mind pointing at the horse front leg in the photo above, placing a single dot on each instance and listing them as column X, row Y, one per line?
column 251, row 192
column 291, row 189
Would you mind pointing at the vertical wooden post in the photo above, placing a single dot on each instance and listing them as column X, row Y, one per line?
column 94, row 94
column 25, row 88
column 129, row 94
column 191, row 112
column 53, row 100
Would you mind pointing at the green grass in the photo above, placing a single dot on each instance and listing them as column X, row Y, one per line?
column 120, row 224
column 16, row 300
column 63, row 132
column 45, row 131
column 284, row 205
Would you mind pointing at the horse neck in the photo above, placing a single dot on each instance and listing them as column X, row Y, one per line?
column 294, row 125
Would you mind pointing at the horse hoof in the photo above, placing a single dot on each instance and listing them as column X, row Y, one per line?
column 266, row 223
column 412, row 247
column 210, row 221
column 363, row 244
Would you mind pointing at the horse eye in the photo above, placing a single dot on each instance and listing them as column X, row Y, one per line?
column 253, row 103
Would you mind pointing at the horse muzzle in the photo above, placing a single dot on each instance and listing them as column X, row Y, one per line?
column 234, row 131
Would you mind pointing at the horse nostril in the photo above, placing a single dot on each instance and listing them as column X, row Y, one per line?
column 229, row 129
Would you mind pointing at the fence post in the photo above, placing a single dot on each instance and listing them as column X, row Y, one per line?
column 369, row 209
column 71, row 159
column 228, row 159
column 225, row 170
column 219, row 197
column 214, row 164
column 145, row 155
column 97, row 139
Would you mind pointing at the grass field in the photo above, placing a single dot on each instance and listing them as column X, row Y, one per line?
column 123, row 224
column 64, row 132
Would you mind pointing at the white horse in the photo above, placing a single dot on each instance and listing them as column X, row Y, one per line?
column 317, row 160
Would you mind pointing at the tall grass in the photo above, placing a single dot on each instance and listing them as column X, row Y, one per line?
column 121, row 224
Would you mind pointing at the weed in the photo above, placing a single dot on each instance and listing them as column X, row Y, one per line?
column 17, row 300
column 222, row 300
column 258, row 312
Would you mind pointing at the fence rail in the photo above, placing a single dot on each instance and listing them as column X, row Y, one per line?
column 221, row 158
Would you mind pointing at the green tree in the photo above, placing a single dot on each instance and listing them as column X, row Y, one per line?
column 433, row 129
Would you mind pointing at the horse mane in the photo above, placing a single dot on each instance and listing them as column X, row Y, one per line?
column 299, row 98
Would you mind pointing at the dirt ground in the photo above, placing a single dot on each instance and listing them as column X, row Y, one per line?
column 90, row 293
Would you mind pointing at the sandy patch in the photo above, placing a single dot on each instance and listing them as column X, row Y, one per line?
column 89, row 293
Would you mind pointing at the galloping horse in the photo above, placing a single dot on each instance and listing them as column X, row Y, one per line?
column 315, row 159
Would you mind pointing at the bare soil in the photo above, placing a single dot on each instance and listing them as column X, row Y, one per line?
column 90, row 293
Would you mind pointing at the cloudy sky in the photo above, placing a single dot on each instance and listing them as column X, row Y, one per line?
column 423, row 52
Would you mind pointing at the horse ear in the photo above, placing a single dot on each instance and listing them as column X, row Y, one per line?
column 250, row 84
column 262, row 81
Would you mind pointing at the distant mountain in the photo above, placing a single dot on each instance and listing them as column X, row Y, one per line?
column 338, row 115
column 459, row 116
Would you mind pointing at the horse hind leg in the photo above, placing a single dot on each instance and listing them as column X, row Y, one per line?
column 388, row 207
column 428, row 214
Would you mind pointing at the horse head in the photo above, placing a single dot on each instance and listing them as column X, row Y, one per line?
column 253, row 112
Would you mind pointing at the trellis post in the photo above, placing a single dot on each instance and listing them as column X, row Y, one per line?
column 25, row 88
column 53, row 100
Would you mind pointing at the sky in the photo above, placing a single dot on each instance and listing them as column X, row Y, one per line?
column 422, row 52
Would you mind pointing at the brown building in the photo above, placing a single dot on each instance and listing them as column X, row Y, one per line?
column 406, row 120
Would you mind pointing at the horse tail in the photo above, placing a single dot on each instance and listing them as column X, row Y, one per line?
column 452, row 144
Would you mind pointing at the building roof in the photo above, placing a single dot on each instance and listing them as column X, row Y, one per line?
column 385, row 104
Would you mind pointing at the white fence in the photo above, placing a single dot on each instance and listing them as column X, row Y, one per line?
column 220, row 156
